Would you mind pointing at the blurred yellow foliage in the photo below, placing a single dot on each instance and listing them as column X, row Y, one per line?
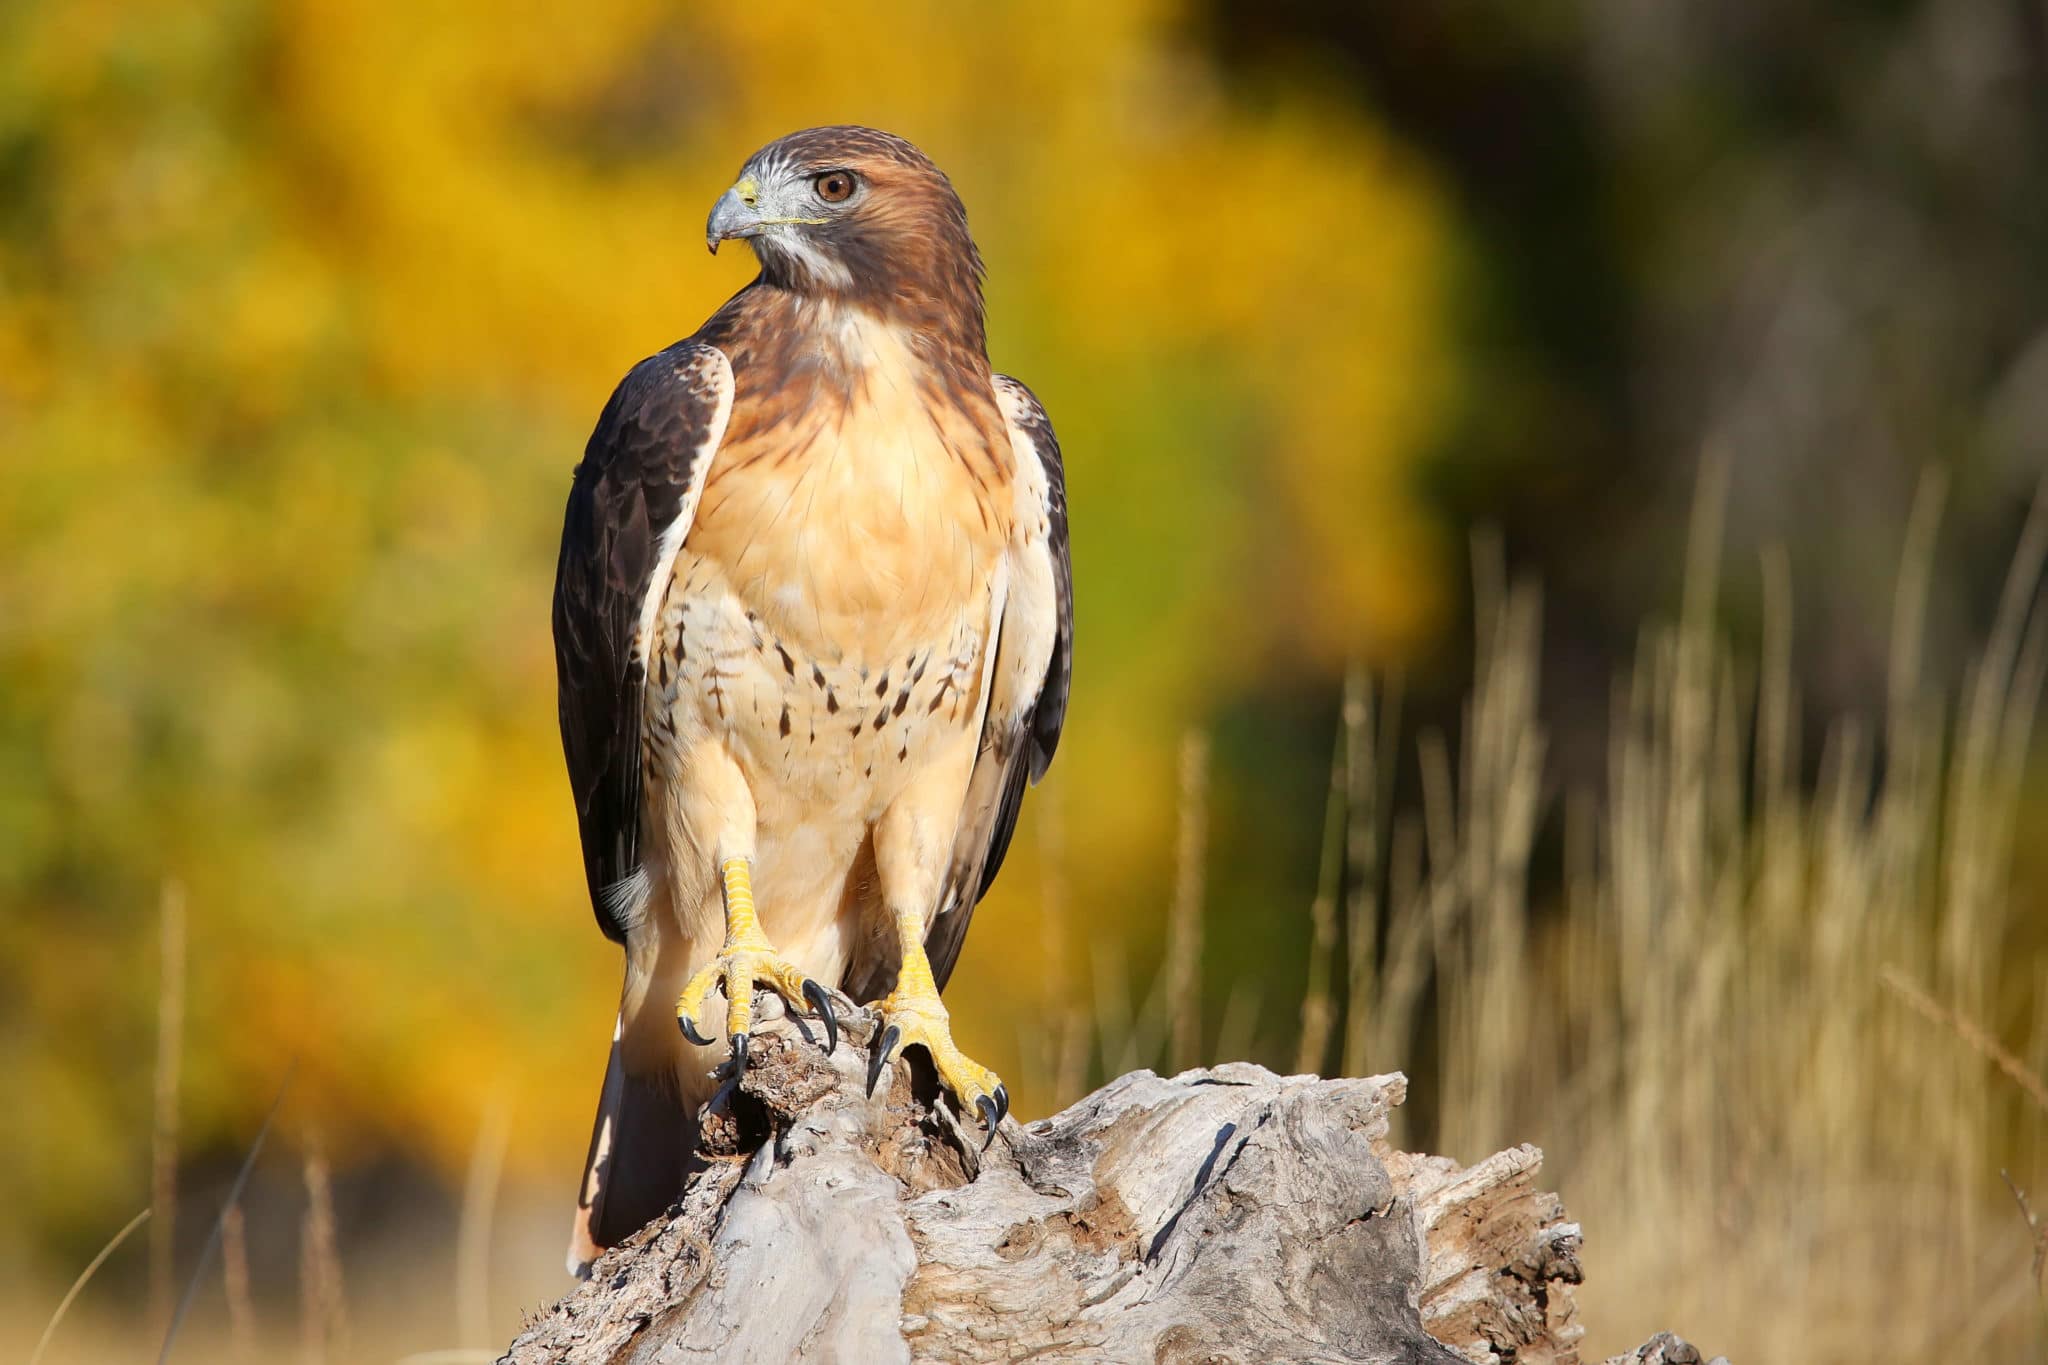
column 305, row 308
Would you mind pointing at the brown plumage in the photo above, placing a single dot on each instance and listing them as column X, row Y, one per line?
column 813, row 625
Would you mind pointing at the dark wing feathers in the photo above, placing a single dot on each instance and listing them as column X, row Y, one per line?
column 632, row 499
column 1015, row 749
column 1051, row 711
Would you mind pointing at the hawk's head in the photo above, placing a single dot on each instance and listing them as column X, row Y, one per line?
column 853, row 212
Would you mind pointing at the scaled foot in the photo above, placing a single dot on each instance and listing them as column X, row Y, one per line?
column 919, row 1018
column 747, row 958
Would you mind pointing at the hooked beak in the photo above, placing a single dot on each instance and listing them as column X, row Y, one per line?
column 732, row 216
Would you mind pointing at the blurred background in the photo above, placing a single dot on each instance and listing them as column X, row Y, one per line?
column 1641, row 405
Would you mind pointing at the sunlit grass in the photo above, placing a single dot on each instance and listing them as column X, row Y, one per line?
column 1753, row 1028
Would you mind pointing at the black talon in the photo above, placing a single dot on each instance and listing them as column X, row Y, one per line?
column 739, row 1056
column 991, row 1115
column 821, row 1003
column 878, row 1056
column 690, row 1031
column 1002, row 1103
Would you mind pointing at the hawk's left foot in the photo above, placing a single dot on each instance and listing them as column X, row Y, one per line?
column 917, row 1017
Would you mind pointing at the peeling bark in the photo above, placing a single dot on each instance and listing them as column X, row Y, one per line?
column 1223, row 1215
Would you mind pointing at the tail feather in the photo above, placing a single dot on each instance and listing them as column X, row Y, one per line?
column 634, row 1171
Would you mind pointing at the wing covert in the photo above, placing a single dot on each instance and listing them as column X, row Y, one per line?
column 630, row 506
column 1034, row 662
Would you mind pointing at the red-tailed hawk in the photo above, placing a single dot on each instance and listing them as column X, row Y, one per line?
column 813, row 633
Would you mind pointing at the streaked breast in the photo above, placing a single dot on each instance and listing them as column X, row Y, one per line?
column 858, row 507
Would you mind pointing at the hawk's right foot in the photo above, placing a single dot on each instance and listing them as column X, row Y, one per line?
column 746, row 959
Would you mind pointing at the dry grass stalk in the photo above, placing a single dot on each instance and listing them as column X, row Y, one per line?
column 217, row 1234
column 323, row 1319
column 234, row 1270
column 1049, row 812
column 1367, row 787
column 1069, row 1037
column 1404, row 973
column 1481, row 827
column 2037, row 1234
column 1184, row 928
column 1312, row 1050
column 1240, row 1022
column 1117, row 1027
column 1133, row 1034
column 91, row 1268
column 1973, row 1035
column 1071, row 1078
column 473, row 1235
column 170, row 1050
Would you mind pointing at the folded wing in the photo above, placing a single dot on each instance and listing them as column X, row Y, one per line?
column 1034, row 660
column 634, row 496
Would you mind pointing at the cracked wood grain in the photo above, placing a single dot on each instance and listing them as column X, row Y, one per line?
column 1222, row 1215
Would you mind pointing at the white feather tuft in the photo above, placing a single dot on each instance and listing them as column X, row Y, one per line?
column 625, row 900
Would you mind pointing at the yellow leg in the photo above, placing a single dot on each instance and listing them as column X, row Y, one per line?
column 746, row 958
column 913, row 1013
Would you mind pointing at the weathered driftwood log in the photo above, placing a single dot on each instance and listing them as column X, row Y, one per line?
column 1221, row 1215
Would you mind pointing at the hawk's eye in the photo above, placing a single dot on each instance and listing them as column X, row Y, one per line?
column 834, row 187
